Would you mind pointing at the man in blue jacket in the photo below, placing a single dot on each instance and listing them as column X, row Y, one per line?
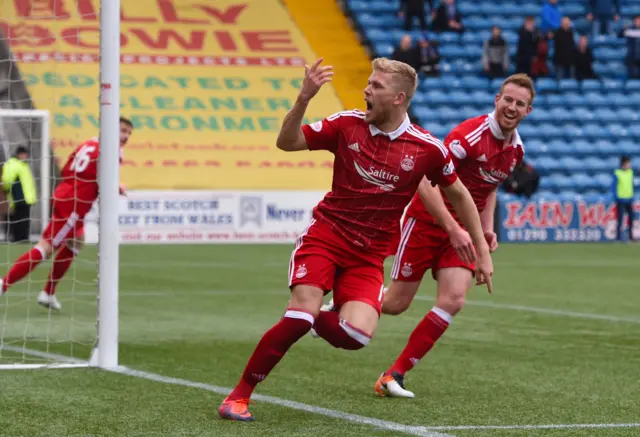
column 550, row 17
column 602, row 12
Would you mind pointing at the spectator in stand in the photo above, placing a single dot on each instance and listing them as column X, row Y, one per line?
column 448, row 18
column 584, row 60
column 495, row 57
column 565, row 50
column 428, row 58
column 527, row 47
column 602, row 11
column 406, row 53
column 633, row 47
column 409, row 9
column 550, row 17
column 540, row 67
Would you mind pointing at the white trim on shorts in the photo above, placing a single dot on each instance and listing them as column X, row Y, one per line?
column 64, row 232
column 299, row 242
column 404, row 238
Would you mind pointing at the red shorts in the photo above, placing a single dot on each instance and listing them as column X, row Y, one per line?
column 423, row 246
column 63, row 227
column 324, row 259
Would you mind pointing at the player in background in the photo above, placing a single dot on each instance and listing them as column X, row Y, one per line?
column 485, row 150
column 71, row 201
column 380, row 159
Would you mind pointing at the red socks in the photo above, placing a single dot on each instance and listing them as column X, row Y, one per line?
column 270, row 350
column 339, row 333
column 23, row 266
column 422, row 339
column 61, row 264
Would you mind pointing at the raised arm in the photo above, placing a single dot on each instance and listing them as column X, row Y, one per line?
column 291, row 138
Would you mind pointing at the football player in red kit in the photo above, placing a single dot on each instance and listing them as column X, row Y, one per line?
column 485, row 150
column 71, row 201
column 380, row 159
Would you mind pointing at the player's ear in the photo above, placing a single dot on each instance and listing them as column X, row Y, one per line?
column 401, row 98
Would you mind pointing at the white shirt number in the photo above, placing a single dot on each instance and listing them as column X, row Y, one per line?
column 82, row 159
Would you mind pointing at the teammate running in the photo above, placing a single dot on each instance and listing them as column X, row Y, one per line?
column 72, row 200
column 485, row 150
column 380, row 159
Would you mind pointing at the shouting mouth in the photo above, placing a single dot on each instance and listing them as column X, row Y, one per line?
column 369, row 106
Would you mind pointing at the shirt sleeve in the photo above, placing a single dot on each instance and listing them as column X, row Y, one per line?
column 459, row 148
column 323, row 134
column 442, row 171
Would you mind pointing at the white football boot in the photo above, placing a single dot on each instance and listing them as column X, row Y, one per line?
column 393, row 386
column 49, row 301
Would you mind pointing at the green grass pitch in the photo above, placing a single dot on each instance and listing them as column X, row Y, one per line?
column 557, row 343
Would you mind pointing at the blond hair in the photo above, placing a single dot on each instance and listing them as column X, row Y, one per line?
column 521, row 80
column 404, row 74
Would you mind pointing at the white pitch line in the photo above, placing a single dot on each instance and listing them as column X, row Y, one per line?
column 559, row 426
column 548, row 311
column 361, row 420
column 424, row 431
column 284, row 292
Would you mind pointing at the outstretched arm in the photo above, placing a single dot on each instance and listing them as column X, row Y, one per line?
column 291, row 137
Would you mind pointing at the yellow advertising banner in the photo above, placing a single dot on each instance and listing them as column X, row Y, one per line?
column 206, row 85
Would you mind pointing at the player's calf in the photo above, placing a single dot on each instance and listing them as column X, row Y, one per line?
column 351, row 328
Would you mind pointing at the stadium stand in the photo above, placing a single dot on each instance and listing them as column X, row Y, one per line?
column 577, row 131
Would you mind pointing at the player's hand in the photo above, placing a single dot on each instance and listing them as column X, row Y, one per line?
column 314, row 77
column 492, row 240
column 123, row 190
column 484, row 269
column 463, row 245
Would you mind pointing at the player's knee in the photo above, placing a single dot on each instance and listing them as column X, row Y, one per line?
column 451, row 302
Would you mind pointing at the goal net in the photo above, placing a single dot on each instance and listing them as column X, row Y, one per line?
column 33, row 107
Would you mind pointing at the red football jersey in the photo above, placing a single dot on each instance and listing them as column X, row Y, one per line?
column 482, row 158
column 374, row 174
column 79, row 187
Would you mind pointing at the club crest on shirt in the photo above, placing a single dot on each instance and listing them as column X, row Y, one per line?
column 317, row 126
column 302, row 271
column 406, row 270
column 457, row 149
column 407, row 163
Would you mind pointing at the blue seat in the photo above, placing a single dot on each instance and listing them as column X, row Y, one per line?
column 584, row 148
column 571, row 164
column 582, row 181
column 632, row 85
column 568, row 85
column 606, row 115
column 627, row 114
column 474, row 83
column 591, row 85
column 426, row 114
column 594, row 165
column 547, row 85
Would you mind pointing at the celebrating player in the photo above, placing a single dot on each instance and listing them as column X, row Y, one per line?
column 485, row 151
column 380, row 159
column 72, row 200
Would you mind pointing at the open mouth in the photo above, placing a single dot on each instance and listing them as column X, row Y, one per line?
column 369, row 106
column 510, row 117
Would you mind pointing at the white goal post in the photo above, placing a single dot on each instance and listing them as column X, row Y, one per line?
column 105, row 352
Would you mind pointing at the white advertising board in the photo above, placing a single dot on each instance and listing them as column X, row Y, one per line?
column 210, row 216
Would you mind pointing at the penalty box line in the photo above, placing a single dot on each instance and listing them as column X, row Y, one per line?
column 334, row 414
column 424, row 431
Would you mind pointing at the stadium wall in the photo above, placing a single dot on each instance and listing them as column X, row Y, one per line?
column 148, row 217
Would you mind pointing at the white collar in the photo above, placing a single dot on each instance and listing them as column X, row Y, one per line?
column 396, row 133
column 497, row 132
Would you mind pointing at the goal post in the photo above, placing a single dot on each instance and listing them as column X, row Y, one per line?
column 109, row 182
column 36, row 341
